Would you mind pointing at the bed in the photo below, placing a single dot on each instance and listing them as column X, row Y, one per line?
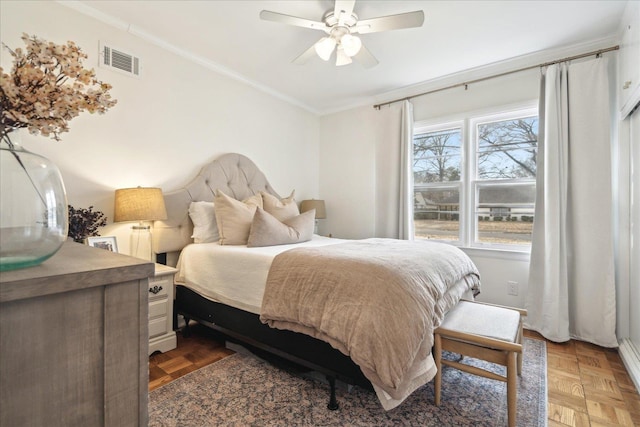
column 352, row 323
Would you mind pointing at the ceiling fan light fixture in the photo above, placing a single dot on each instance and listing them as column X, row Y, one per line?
column 342, row 58
column 341, row 24
column 324, row 47
column 351, row 44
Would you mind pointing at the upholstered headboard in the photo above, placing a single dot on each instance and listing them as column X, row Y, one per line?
column 233, row 174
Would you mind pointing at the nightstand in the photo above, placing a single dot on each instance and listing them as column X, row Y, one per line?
column 162, row 337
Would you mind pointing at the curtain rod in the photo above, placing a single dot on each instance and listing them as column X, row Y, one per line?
column 465, row 84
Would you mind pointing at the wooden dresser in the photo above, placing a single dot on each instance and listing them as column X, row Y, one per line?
column 74, row 340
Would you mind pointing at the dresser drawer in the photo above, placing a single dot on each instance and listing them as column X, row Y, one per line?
column 157, row 326
column 158, row 308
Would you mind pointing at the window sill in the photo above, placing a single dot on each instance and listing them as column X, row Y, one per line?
column 507, row 254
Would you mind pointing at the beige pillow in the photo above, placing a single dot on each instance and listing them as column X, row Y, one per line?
column 205, row 228
column 234, row 217
column 282, row 209
column 266, row 230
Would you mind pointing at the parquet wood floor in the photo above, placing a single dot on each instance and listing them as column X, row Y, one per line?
column 587, row 385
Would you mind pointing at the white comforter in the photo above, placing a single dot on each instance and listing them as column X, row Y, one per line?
column 233, row 275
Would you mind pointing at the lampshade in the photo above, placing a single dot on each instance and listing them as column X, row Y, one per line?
column 139, row 204
column 324, row 47
column 351, row 44
column 318, row 205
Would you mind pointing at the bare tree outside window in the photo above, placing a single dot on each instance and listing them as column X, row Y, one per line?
column 507, row 149
column 436, row 156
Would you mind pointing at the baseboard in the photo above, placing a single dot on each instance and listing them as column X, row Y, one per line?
column 163, row 343
column 630, row 355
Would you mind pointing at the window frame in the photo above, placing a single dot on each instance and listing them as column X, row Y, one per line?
column 470, row 184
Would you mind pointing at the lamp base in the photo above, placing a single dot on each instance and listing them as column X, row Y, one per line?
column 140, row 243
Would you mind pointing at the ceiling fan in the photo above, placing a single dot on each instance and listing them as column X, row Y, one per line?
column 341, row 24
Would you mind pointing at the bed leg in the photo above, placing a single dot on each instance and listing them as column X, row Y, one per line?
column 186, row 332
column 333, row 403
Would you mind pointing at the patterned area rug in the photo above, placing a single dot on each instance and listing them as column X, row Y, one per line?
column 243, row 390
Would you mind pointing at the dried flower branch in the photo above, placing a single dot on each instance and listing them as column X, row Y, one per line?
column 84, row 223
column 48, row 87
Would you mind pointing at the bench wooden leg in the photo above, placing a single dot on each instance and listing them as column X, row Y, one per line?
column 437, row 344
column 512, row 389
column 520, row 338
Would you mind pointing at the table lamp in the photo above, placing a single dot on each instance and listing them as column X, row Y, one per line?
column 318, row 205
column 140, row 204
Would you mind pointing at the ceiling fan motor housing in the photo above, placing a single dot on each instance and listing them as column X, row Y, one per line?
column 337, row 30
column 331, row 20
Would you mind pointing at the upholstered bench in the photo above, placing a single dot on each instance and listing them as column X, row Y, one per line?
column 482, row 331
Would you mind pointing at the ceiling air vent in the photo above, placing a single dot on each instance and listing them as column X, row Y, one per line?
column 119, row 60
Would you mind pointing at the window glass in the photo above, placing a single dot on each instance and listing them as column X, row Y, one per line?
column 436, row 213
column 505, row 214
column 437, row 156
column 474, row 179
column 507, row 149
column 437, row 172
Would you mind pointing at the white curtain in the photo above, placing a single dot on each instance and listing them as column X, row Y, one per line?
column 571, row 291
column 405, row 206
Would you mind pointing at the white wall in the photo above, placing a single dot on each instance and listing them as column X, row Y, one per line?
column 168, row 123
column 356, row 147
column 350, row 142
column 515, row 88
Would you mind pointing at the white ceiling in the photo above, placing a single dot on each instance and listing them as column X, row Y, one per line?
column 456, row 36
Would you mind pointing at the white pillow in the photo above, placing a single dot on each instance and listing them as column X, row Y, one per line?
column 282, row 209
column 205, row 228
column 234, row 217
column 266, row 230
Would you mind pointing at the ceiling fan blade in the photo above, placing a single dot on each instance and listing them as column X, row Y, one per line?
column 343, row 10
column 391, row 22
column 366, row 58
column 267, row 15
column 305, row 56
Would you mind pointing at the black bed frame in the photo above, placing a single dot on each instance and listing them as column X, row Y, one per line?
column 246, row 328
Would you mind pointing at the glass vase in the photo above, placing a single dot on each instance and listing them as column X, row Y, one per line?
column 33, row 207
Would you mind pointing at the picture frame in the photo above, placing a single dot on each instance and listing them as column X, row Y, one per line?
column 103, row 242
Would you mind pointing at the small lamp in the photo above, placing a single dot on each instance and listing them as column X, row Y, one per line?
column 318, row 205
column 140, row 204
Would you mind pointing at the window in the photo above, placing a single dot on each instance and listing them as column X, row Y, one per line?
column 474, row 179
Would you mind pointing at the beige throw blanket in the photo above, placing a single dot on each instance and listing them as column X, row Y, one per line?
column 376, row 300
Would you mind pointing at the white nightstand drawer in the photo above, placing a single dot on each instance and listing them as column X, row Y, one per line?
column 158, row 308
column 157, row 326
column 161, row 334
column 159, row 286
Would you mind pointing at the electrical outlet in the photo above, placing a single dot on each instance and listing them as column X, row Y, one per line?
column 512, row 288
